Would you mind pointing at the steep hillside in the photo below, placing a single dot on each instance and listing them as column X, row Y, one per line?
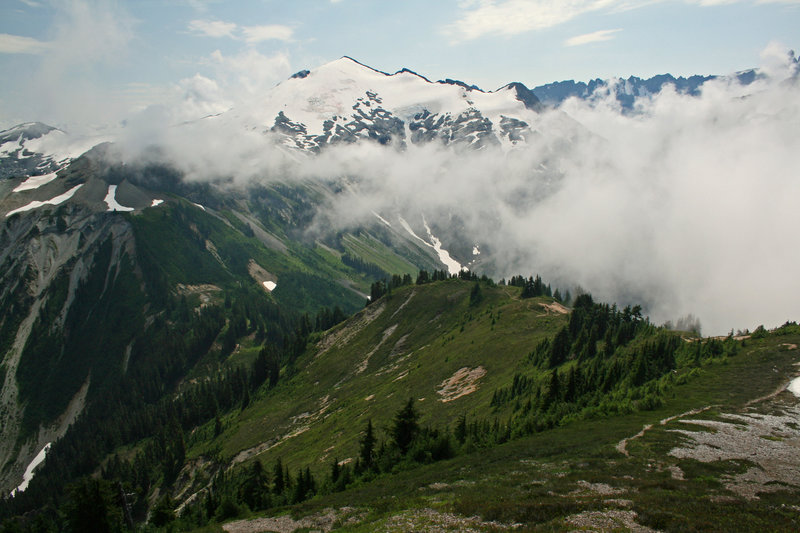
column 711, row 441
column 422, row 342
column 407, row 415
column 84, row 276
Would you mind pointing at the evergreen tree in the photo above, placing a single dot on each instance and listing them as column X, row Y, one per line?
column 405, row 427
column 475, row 295
column 254, row 491
column 367, row 447
column 91, row 508
column 278, row 480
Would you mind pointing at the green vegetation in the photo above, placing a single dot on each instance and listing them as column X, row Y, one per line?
column 103, row 319
column 374, row 255
column 449, row 394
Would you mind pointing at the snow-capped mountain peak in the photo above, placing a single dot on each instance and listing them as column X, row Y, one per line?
column 347, row 101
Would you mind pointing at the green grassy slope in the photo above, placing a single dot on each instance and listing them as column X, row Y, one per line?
column 403, row 346
column 571, row 477
column 542, row 482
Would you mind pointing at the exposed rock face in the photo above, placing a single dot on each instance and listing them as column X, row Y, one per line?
column 35, row 251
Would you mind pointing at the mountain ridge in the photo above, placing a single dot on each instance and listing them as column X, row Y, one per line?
column 174, row 338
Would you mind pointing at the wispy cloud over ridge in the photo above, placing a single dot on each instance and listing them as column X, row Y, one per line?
column 636, row 208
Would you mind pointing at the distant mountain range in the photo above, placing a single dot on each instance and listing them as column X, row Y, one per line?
column 627, row 90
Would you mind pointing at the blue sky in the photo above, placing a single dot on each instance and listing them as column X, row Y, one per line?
column 91, row 61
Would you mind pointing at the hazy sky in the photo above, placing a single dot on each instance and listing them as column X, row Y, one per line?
column 92, row 61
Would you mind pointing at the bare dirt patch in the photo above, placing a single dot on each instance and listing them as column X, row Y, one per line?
column 554, row 308
column 205, row 291
column 463, row 382
column 300, row 424
column 260, row 274
column 399, row 346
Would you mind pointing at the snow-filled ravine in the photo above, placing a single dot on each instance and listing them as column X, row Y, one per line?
column 453, row 266
column 28, row 475
column 111, row 200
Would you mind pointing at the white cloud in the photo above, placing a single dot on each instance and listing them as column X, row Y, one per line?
column 512, row 17
column 685, row 206
column 594, row 37
column 31, row 3
column 90, row 40
column 209, row 142
column 250, row 72
column 711, row 3
column 249, row 34
column 643, row 208
column 257, row 34
column 18, row 44
column 212, row 28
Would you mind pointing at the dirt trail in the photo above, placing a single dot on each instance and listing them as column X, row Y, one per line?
column 386, row 334
column 413, row 292
column 623, row 444
column 343, row 335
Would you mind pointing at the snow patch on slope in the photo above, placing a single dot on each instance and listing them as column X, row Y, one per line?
column 60, row 199
column 34, row 182
column 794, row 387
column 111, row 200
column 28, row 475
